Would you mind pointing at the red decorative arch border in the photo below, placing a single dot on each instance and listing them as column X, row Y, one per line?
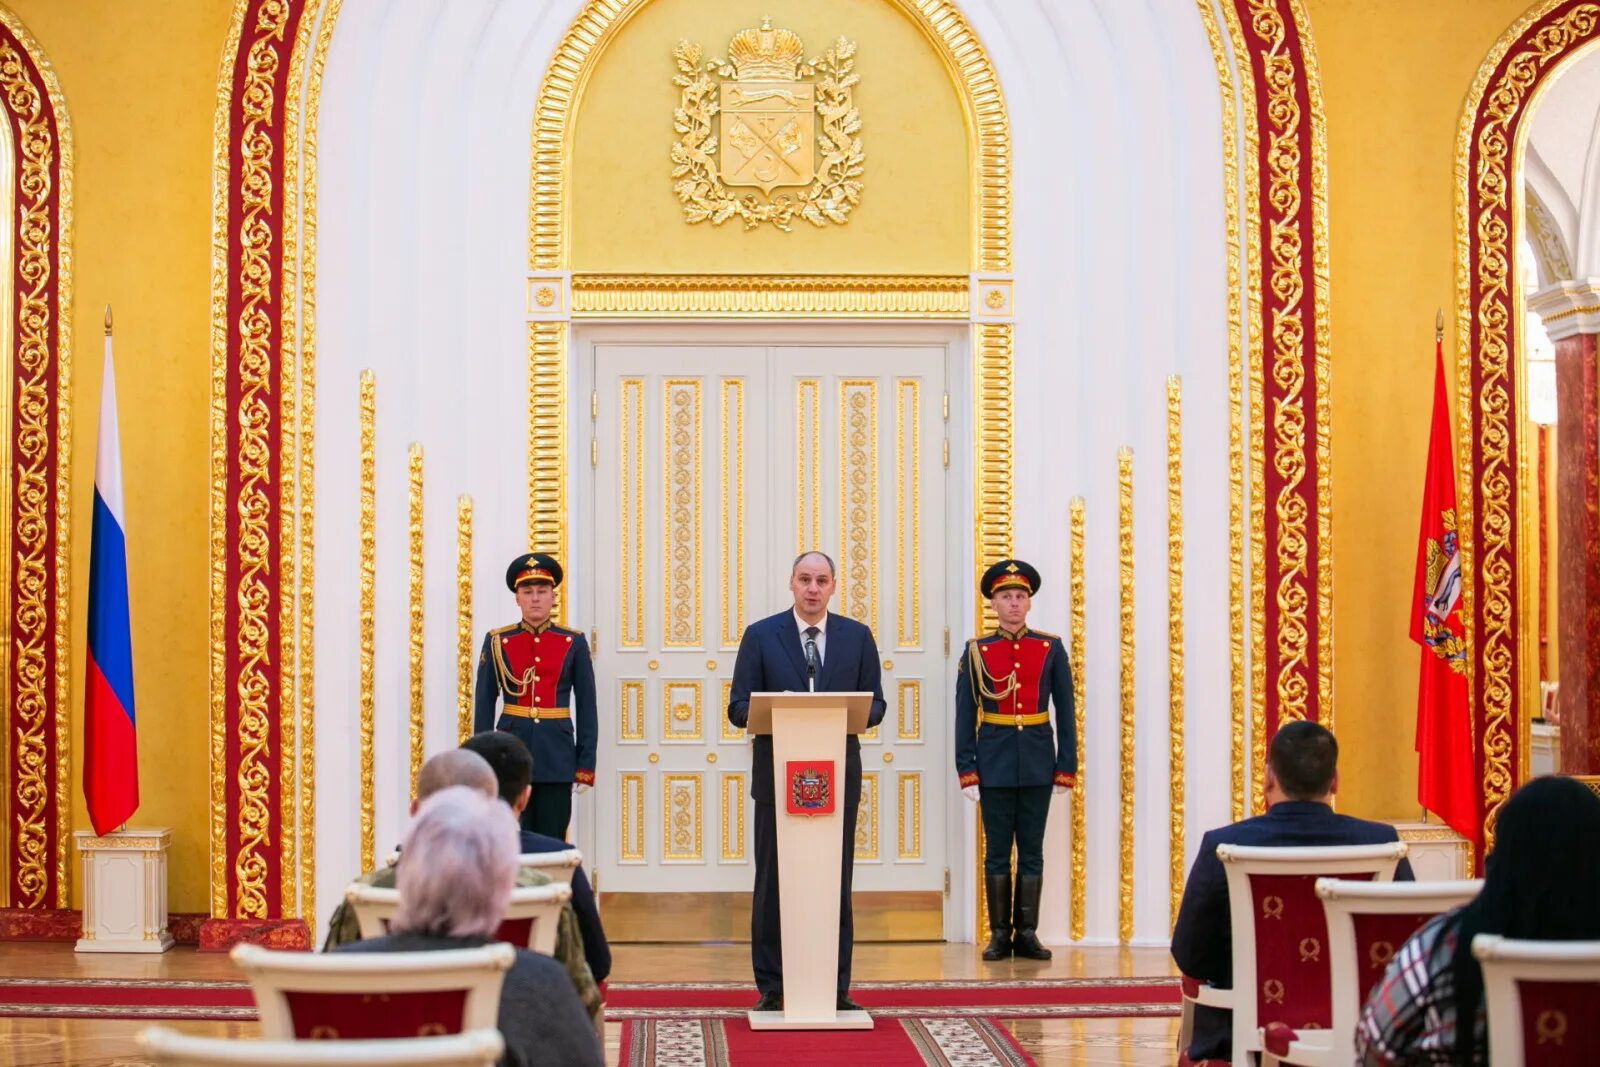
column 1493, row 448
column 255, row 391
column 1285, row 234
column 37, row 746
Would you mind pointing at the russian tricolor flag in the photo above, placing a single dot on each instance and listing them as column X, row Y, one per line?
column 111, row 752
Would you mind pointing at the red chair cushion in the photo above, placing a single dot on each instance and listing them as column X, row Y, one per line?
column 355, row 1016
column 515, row 931
column 1293, row 983
column 1378, row 938
column 1559, row 1023
column 1277, row 1037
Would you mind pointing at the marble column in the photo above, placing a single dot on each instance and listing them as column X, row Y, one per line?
column 1571, row 314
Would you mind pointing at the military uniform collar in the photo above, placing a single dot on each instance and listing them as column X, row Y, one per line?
column 1001, row 632
column 522, row 624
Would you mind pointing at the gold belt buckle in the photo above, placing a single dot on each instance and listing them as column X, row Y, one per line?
column 1019, row 720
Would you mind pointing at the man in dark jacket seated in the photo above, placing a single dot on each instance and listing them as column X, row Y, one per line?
column 1301, row 777
column 513, row 767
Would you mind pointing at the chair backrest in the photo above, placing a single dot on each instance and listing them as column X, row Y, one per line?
column 1280, row 933
column 1367, row 924
column 1543, row 1001
column 534, row 916
column 168, row 1048
column 358, row 995
column 558, row 865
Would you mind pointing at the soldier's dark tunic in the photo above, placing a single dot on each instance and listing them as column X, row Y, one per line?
column 1005, row 744
column 545, row 681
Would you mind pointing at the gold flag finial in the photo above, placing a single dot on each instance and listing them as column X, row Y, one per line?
column 108, row 320
column 1438, row 324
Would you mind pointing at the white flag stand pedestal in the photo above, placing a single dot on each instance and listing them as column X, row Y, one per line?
column 809, row 728
column 124, row 890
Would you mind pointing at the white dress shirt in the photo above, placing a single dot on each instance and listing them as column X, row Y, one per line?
column 821, row 638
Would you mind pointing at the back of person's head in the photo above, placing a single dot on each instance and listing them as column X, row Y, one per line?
column 457, row 766
column 1541, row 882
column 508, row 757
column 460, row 866
column 1304, row 758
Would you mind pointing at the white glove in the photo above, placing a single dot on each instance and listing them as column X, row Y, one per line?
column 1058, row 790
column 970, row 792
column 580, row 788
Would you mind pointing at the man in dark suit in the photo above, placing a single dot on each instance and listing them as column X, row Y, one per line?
column 804, row 648
column 1301, row 777
column 512, row 764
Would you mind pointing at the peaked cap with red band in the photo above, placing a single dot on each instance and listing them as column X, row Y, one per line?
column 1009, row 574
column 533, row 567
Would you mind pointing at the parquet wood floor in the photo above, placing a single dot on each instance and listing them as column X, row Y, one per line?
column 1053, row 1042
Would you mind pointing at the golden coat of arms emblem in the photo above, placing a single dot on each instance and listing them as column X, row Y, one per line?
column 766, row 119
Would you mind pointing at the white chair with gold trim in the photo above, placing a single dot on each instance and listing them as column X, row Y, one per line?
column 557, row 865
column 168, row 1048
column 532, row 919
column 1543, row 1001
column 1279, row 932
column 1367, row 924
column 349, row 996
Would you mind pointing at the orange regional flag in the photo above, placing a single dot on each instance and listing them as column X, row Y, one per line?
column 1445, row 784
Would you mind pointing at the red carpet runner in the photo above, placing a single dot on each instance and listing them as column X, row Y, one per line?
column 892, row 1043
column 627, row 1001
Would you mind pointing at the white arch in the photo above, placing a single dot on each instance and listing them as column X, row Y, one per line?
column 1119, row 259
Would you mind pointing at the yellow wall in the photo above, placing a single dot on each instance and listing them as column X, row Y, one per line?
column 140, row 82
column 914, row 212
column 1394, row 79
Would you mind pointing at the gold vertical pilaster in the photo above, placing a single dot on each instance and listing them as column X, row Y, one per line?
column 414, row 601
column 368, row 539
column 547, row 444
column 858, row 499
column 1125, row 614
column 1175, row 680
column 632, row 539
column 1076, row 635
column 682, row 557
column 732, row 498
column 808, row 455
column 463, row 618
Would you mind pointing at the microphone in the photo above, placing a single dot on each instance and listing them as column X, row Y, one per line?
column 811, row 664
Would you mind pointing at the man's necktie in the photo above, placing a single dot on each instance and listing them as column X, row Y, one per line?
column 813, row 662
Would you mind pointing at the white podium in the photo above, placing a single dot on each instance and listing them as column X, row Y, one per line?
column 125, row 890
column 808, row 732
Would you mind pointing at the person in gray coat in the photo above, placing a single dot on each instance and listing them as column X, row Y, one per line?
column 461, row 865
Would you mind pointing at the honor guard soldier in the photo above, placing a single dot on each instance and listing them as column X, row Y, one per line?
column 543, row 675
column 1006, row 686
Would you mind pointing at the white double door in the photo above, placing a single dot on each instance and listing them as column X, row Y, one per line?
column 713, row 466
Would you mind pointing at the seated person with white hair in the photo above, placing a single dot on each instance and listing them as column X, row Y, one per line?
column 462, row 766
column 460, row 867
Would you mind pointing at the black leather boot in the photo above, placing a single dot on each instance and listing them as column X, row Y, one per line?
column 999, row 891
column 1026, row 942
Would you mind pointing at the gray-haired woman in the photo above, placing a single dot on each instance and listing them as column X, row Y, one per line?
column 455, row 879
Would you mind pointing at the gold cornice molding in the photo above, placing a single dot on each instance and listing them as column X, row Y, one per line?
column 871, row 296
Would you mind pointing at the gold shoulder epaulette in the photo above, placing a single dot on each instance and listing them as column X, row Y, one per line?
column 1040, row 633
column 497, row 631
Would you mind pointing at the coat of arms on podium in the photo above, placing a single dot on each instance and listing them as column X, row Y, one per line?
column 766, row 119
column 810, row 787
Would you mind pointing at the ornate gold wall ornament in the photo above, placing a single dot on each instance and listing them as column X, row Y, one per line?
column 367, row 538
column 908, row 501
column 732, row 525
column 1076, row 635
column 1236, row 400
column 909, row 833
column 39, row 817
column 464, row 632
column 1175, row 681
column 414, row 606
column 547, row 443
column 1126, row 615
column 869, row 296
column 765, row 119
column 680, row 817
column 858, row 499
column 630, row 839
column 733, row 791
column 683, row 559
column 867, row 819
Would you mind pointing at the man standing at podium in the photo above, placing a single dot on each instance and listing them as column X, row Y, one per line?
column 1005, row 747
column 805, row 648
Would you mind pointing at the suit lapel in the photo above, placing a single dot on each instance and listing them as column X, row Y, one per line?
column 789, row 638
column 831, row 658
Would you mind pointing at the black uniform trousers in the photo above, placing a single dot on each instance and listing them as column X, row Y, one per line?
column 549, row 809
column 766, row 930
column 1014, row 814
